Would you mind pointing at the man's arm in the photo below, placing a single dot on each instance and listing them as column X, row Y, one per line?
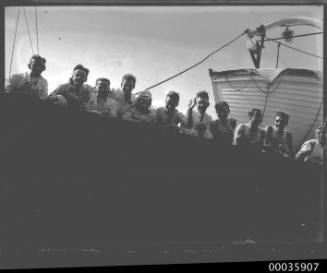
column 262, row 138
column 129, row 116
column 233, row 122
column 53, row 96
column 153, row 120
column 189, row 114
column 268, row 131
column 44, row 90
column 239, row 132
column 289, row 142
column 305, row 150
column 57, row 91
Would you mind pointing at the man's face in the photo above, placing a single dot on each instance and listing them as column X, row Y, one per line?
column 223, row 113
column 256, row 117
column 79, row 77
column 36, row 66
column 171, row 103
column 102, row 88
column 202, row 104
column 280, row 123
column 127, row 86
column 144, row 102
column 321, row 135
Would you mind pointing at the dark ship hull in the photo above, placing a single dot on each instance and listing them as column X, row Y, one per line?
column 74, row 180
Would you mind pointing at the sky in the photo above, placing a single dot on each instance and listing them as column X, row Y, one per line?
column 153, row 43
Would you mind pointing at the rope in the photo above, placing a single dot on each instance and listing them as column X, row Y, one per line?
column 267, row 91
column 28, row 30
column 264, row 107
column 13, row 47
column 278, row 46
column 295, row 36
column 313, row 123
column 300, row 50
column 238, row 88
column 37, row 31
column 196, row 64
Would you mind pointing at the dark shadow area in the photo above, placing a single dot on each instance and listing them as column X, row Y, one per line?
column 73, row 180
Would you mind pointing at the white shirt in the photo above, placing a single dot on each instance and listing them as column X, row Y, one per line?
column 316, row 151
column 26, row 84
column 107, row 107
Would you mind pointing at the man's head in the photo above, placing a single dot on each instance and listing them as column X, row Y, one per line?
column 172, row 100
column 128, row 83
column 281, row 120
column 255, row 116
column 222, row 110
column 144, row 100
column 321, row 135
column 80, row 74
column 202, row 101
column 36, row 65
column 102, row 86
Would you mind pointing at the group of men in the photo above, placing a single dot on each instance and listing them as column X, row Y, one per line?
column 122, row 104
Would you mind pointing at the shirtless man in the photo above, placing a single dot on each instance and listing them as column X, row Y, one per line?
column 223, row 128
column 168, row 116
column 277, row 138
column 250, row 134
column 124, row 96
column 197, row 121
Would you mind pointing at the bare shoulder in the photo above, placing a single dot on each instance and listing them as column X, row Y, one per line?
column 241, row 127
column 160, row 109
column 289, row 135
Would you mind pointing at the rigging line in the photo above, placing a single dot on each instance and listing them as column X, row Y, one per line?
column 13, row 47
column 313, row 123
column 198, row 63
column 295, row 36
column 254, row 16
column 300, row 50
column 265, row 105
column 278, row 47
column 37, row 31
column 238, row 88
column 280, row 77
column 28, row 30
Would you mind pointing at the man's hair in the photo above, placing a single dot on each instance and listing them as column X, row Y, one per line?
column 174, row 95
column 37, row 58
column 202, row 94
column 102, row 80
column 129, row 77
column 81, row 67
column 220, row 106
column 254, row 111
column 283, row 115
